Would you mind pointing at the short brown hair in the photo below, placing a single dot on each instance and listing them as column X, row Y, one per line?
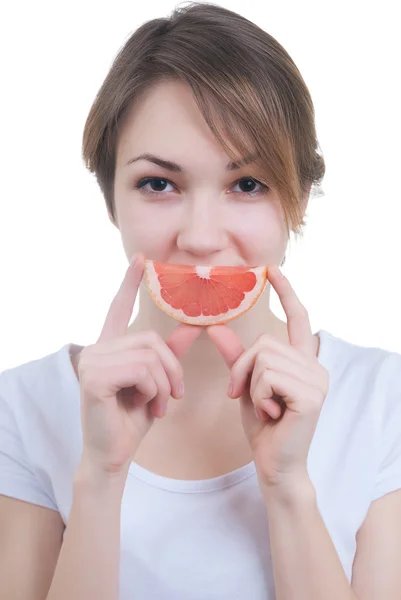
column 250, row 92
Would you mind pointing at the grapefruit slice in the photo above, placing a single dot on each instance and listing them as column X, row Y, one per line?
column 201, row 295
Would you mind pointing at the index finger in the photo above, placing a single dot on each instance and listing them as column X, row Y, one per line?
column 122, row 306
column 298, row 323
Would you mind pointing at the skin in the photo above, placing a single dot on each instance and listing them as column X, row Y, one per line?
column 202, row 215
column 210, row 430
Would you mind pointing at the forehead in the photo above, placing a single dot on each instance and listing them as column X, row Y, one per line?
column 167, row 120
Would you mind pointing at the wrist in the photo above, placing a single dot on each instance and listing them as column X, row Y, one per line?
column 91, row 478
column 289, row 490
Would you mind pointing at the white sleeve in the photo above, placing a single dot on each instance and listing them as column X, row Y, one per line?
column 17, row 477
column 388, row 478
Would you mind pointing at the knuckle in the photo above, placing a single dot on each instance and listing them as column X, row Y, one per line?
column 150, row 389
column 314, row 402
column 261, row 387
column 88, row 356
column 89, row 374
column 178, row 370
column 265, row 339
column 263, row 358
column 318, row 397
column 150, row 356
column 266, row 377
column 162, row 379
column 235, row 372
column 152, row 337
column 165, row 391
column 258, row 403
column 92, row 383
column 141, row 372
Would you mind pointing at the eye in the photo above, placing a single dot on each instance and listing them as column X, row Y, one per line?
column 157, row 185
column 248, row 185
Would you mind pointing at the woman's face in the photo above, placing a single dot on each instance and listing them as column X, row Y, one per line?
column 197, row 210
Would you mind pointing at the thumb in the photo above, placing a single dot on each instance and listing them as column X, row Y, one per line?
column 182, row 337
column 227, row 342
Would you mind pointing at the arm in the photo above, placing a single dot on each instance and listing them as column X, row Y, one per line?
column 376, row 571
column 84, row 565
column 30, row 542
column 305, row 563
column 88, row 565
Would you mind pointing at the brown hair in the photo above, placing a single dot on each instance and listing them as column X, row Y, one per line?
column 250, row 92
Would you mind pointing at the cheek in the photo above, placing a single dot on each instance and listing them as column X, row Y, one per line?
column 261, row 231
column 145, row 228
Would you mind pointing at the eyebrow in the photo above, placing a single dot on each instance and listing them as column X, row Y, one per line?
column 175, row 168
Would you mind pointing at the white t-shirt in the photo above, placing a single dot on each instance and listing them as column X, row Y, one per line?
column 209, row 540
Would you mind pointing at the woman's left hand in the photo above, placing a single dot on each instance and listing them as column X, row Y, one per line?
column 281, row 388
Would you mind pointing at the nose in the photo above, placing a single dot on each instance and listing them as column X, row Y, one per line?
column 202, row 231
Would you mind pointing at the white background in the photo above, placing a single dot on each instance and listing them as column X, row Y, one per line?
column 62, row 260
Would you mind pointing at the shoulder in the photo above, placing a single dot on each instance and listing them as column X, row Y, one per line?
column 52, row 363
column 34, row 386
column 364, row 383
column 39, row 414
column 360, row 425
column 353, row 362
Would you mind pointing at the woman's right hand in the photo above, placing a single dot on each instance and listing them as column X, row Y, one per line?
column 126, row 379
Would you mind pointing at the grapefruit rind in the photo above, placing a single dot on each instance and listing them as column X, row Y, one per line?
column 154, row 287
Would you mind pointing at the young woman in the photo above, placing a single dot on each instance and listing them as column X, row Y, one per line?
column 276, row 471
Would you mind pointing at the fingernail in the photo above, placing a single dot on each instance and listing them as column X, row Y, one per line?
column 181, row 389
column 230, row 389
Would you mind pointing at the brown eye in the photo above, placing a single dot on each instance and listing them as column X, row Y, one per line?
column 250, row 186
column 156, row 185
column 247, row 185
